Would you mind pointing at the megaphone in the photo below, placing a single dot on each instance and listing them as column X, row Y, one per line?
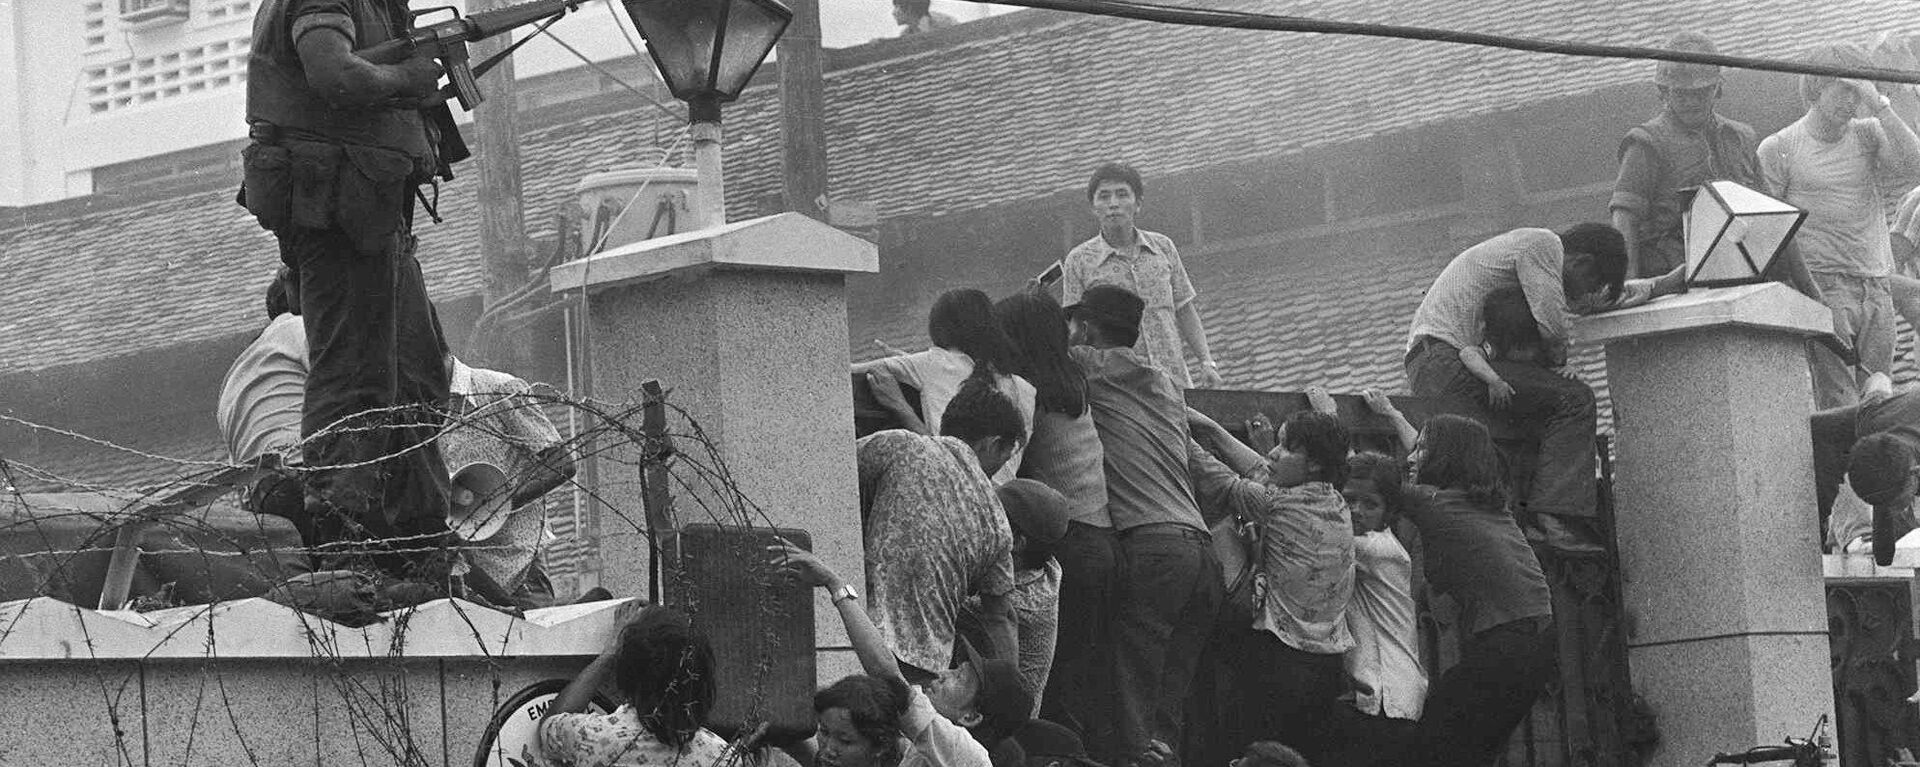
column 482, row 500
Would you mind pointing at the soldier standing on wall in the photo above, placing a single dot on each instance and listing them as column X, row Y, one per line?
column 339, row 149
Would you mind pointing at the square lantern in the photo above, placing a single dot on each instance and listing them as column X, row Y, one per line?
column 707, row 50
column 1734, row 233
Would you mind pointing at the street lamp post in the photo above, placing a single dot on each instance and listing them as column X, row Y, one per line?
column 706, row 51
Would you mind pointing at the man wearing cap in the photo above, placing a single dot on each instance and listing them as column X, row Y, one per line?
column 1170, row 589
column 1147, row 265
column 1826, row 163
column 1684, row 146
column 1875, row 445
column 1038, row 515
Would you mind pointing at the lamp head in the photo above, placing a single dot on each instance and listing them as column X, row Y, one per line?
column 707, row 50
column 1734, row 233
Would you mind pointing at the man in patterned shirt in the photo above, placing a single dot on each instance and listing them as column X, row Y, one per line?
column 497, row 422
column 1146, row 264
column 936, row 533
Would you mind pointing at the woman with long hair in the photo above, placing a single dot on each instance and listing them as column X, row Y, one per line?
column 1064, row 453
column 967, row 343
column 1274, row 668
column 1475, row 552
column 663, row 667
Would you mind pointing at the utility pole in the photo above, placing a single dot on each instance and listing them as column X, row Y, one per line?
column 802, row 112
column 504, row 251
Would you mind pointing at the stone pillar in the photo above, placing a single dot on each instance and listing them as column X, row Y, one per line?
column 1718, row 533
column 745, row 325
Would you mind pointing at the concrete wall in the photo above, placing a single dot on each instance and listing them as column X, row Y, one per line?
column 252, row 682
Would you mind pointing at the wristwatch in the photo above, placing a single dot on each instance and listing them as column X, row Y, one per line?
column 845, row 593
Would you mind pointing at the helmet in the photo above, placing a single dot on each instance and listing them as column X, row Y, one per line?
column 1673, row 74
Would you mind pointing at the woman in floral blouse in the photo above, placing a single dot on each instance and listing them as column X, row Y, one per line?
column 664, row 668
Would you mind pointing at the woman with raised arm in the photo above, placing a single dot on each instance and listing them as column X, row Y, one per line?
column 876, row 719
column 663, row 666
column 1281, row 673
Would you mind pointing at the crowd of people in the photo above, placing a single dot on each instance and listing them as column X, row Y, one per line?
column 1063, row 561
column 1091, row 608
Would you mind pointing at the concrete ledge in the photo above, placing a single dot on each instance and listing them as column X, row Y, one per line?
column 1770, row 306
column 784, row 242
column 42, row 629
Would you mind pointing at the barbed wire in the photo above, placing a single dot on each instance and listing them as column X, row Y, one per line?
column 377, row 703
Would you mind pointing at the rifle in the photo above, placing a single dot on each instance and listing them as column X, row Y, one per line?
column 448, row 41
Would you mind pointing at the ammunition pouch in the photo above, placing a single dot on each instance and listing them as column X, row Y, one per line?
column 266, row 185
column 363, row 191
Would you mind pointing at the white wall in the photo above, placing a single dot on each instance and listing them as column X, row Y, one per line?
column 78, row 90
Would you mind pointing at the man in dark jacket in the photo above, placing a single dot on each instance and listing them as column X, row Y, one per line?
column 339, row 147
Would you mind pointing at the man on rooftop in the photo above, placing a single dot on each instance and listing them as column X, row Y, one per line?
column 1147, row 265
column 1684, row 146
column 1826, row 163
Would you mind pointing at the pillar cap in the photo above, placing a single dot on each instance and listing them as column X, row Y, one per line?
column 784, row 242
column 1770, row 306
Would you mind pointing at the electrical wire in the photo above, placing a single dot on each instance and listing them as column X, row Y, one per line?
column 595, row 66
column 1227, row 19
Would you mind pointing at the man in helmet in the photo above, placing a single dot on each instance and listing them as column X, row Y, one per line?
column 1684, row 146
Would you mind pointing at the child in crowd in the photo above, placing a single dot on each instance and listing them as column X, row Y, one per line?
column 877, row 720
column 1516, row 351
column 1511, row 333
column 664, row 668
column 1285, row 671
column 1476, row 554
column 1038, row 516
column 1386, row 684
column 1267, row 753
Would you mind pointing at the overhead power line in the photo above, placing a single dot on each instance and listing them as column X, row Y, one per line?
column 1227, row 19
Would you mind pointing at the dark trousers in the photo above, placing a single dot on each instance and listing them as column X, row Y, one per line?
column 1079, row 692
column 1252, row 687
column 1365, row 740
column 1170, row 591
column 376, row 382
column 1558, row 412
column 1473, row 709
column 1292, row 695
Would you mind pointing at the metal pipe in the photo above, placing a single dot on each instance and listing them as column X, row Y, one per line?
column 710, row 200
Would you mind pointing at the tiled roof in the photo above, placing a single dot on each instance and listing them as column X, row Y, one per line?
column 1013, row 108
